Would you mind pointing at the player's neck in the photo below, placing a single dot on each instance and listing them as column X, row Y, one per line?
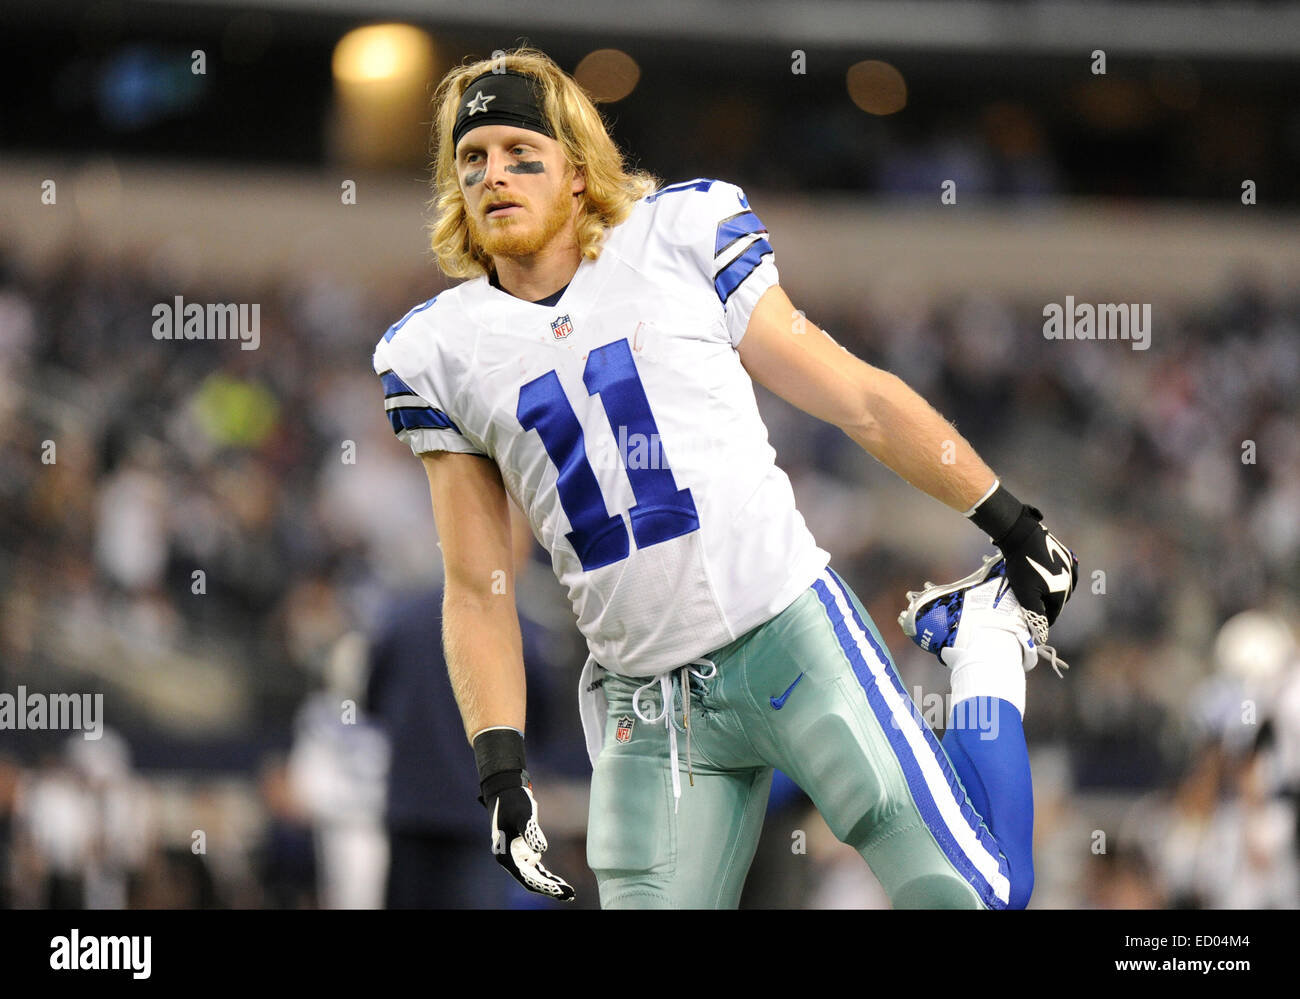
column 540, row 274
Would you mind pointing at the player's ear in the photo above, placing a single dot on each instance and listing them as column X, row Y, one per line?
column 579, row 183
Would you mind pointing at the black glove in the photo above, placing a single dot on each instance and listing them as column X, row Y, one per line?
column 517, row 840
column 1041, row 571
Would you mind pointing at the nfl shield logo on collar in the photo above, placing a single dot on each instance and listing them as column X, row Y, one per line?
column 561, row 327
column 624, row 731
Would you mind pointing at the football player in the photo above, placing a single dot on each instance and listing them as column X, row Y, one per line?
column 596, row 369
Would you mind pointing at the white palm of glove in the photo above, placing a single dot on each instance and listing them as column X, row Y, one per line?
column 514, row 824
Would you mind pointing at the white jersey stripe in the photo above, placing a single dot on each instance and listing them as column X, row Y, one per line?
column 736, row 250
column 405, row 402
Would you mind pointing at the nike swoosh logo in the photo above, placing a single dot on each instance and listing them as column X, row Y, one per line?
column 1056, row 583
column 779, row 702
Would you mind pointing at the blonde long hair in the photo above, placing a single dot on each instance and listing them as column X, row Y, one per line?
column 612, row 188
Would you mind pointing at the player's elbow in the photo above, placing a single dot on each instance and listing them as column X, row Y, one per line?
column 482, row 586
column 861, row 421
column 863, row 426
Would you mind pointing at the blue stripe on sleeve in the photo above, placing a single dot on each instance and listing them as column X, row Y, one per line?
column 395, row 386
column 413, row 418
column 731, row 276
column 730, row 230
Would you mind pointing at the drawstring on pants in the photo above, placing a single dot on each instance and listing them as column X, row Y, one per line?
column 665, row 681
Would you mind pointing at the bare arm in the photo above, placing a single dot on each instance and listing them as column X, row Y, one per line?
column 480, row 625
column 799, row 362
column 480, row 635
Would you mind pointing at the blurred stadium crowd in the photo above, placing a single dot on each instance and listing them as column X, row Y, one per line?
column 226, row 543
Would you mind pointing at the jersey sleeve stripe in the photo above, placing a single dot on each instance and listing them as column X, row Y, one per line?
column 733, row 228
column 400, row 401
column 394, row 386
column 419, row 418
column 733, row 275
column 735, row 251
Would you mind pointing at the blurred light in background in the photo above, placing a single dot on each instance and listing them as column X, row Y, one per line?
column 141, row 85
column 383, row 53
column 1012, row 130
column 1113, row 104
column 876, row 87
column 607, row 75
column 383, row 77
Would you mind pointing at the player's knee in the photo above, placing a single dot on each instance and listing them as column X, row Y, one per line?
column 935, row 891
column 949, row 891
column 617, row 893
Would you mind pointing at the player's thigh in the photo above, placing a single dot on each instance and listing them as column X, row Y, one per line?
column 851, row 737
column 648, row 853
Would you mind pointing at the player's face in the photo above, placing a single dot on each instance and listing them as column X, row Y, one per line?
column 519, row 190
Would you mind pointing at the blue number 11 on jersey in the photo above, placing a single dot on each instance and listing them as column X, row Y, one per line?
column 662, row 511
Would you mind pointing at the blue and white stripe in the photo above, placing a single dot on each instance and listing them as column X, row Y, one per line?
column 409, row 411
column 935, row 787
column 738, row 248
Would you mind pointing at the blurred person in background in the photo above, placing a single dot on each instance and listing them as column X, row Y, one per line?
column 56, row 824
column 1254, row 836
column 337, row 768
column 84, row 826
column 436, row 858
column 123, row 831
column 1229, row 840
column 286, row 860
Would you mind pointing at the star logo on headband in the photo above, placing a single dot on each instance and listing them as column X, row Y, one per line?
column 479, row 103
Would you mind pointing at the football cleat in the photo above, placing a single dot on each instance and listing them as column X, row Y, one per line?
column 941, row 617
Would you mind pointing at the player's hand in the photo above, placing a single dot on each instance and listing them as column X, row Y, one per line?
column 517, row 840
column 1041, row 571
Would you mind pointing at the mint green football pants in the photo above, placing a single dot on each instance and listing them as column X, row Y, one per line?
column 814, row 693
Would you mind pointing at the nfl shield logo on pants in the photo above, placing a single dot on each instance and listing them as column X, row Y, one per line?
column 624, row 731
column 561, row 327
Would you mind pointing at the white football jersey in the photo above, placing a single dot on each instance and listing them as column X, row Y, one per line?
column 625, row 427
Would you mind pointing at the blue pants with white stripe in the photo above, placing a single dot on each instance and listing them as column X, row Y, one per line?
column 814, row 693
